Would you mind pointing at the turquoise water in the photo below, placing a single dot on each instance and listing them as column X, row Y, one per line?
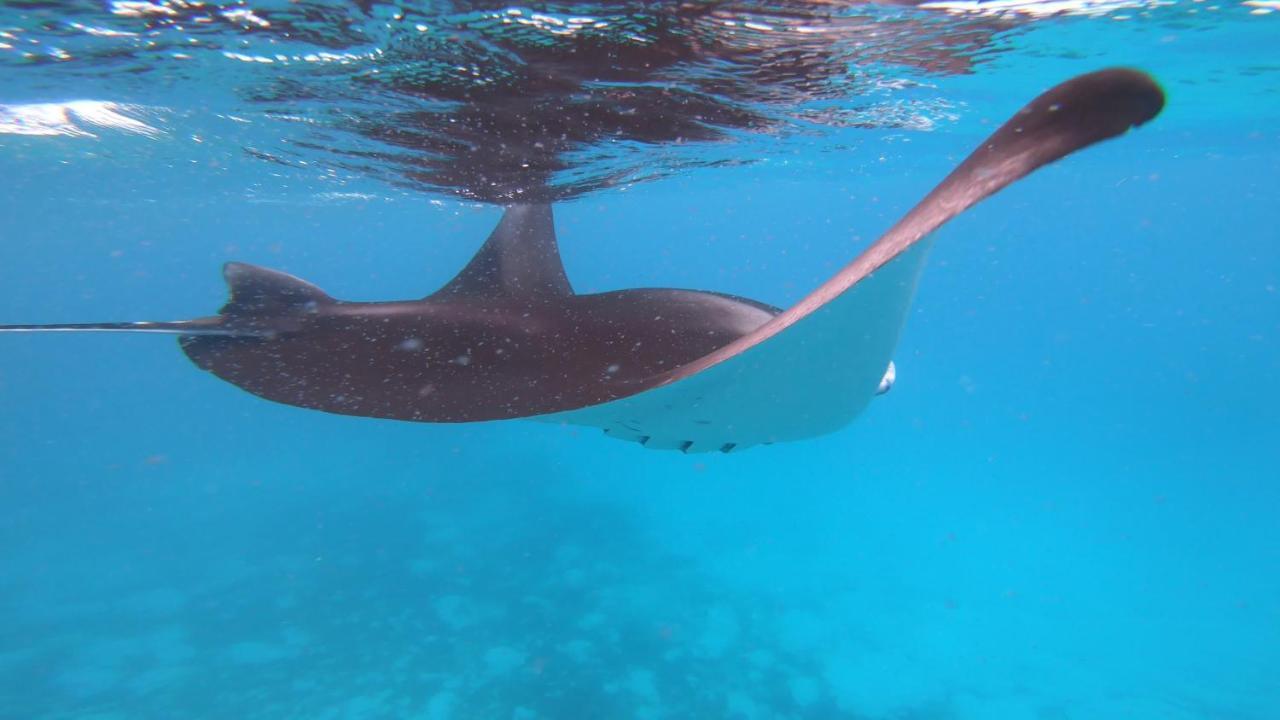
column 1065, row 508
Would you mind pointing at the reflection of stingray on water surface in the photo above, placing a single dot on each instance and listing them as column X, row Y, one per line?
column 532, row 107
column 506, row 104
column 676, row 369
column 522, row 106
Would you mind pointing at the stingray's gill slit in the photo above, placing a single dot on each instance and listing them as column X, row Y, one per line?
column 672, row 369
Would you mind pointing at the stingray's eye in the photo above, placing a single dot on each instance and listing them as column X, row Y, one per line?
column 886, row 382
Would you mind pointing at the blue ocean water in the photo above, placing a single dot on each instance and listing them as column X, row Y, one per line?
column 1065, row 508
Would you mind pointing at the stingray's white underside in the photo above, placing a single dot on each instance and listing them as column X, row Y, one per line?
column 809, row 379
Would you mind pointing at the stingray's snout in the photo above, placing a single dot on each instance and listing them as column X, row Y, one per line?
column 886, row 382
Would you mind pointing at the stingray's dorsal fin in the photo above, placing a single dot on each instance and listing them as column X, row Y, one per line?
column 258, row 290
column 520, row 259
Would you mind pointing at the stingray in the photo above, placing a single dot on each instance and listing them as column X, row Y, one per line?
column 671, row 369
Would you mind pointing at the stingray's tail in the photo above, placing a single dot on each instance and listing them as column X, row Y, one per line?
column 203, row 326
column 264, row 304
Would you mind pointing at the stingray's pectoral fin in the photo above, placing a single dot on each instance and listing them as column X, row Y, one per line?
column 1069, row 117
column 814, row 366
column 204, row 326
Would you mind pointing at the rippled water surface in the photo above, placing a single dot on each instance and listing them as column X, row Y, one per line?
column 500, row 103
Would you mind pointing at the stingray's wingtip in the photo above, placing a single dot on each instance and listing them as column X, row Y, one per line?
column 1097, row 105
column 1144, row 90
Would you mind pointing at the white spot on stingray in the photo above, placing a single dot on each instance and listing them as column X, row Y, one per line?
column 886, row 382
column 462, row 360
column 412, row 344
column 613, row 368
